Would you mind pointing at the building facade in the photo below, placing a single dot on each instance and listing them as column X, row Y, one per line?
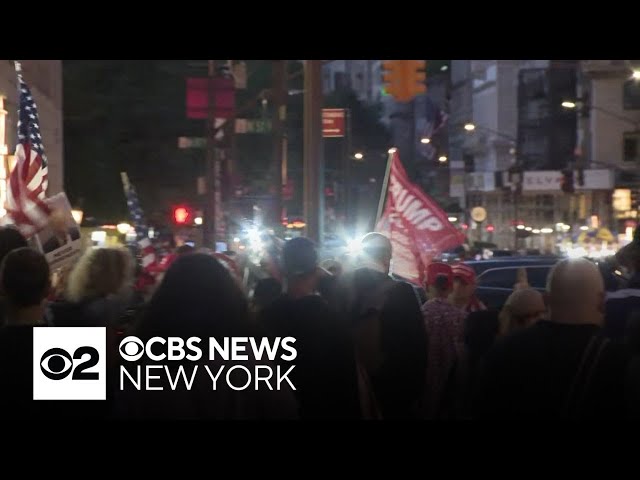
column 44, row 78
column 514, row 129
column 609, row 136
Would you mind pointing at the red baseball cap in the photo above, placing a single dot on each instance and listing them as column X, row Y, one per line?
column 438, row 268
column 464, row 273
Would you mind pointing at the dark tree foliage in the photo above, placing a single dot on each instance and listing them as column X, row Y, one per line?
column 122, row 115
column 127, row 115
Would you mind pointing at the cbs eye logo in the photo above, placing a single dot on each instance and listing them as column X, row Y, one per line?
column 69, row 363
column 57, row 364
column 131, row 349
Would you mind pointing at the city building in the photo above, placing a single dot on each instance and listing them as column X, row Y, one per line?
column 609, row 136
column 517, row 131
column 44, row 77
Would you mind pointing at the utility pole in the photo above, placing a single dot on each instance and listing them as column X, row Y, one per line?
column 210, row 164
column 346, row 169
column 279, row 135
column 313, row 170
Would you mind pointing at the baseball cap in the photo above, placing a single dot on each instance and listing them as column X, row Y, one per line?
column 464, row 273
column 299, row 256
column 437, row 268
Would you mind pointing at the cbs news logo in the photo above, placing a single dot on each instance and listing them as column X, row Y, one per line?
column 69, row 363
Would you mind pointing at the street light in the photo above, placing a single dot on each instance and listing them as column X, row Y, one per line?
column 197, row 220
column 581, row 103
column 636, row 75
column 358, row 156
column 442, row 158
column 472, row 127
column 123, row 228
column 425, row 140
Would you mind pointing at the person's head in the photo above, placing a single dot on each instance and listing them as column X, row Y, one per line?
column 523, row 308
column 265, row 292
column 439, row 280
column 629, row 255
column 376, row 248
column 575, row 291
column 58, row 222
column 464, row 282
column 101, row 272
column 24, row 278
column 10, row 239
column 300, row 264
column 184, row 249
column 197, row 297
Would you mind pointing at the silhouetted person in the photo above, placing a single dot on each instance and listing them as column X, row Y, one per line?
column 198, row 298
column 326, row 377
column 25, row 283
column 444, row 325
column 561, row 367
column 390, row 335
column 10, row 239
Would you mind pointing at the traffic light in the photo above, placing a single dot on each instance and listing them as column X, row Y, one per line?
column 181, row 215
column 404, row 79
column 567, row 182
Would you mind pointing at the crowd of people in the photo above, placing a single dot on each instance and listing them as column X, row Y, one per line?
column 369, row 345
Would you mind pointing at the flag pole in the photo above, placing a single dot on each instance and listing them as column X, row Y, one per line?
column 383, row 193
column 125, row 180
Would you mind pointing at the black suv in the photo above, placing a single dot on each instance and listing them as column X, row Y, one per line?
column 497, row 277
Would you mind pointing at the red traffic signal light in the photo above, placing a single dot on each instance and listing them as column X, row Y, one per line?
column 181, row 215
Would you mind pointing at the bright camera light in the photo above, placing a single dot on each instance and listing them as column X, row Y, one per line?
column 354, row 246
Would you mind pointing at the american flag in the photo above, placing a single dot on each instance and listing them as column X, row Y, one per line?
column 28, row 181
column 148, row 252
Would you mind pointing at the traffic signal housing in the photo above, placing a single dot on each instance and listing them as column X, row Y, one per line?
column 404, row 79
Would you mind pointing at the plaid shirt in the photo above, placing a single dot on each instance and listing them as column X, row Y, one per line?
column 444, row 324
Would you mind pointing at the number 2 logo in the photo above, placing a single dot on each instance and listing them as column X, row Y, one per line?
column 57, row 363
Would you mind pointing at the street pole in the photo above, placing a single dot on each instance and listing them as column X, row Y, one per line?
column 279, row 118
column 210, row 164
column 347, row 168
column 313, row 170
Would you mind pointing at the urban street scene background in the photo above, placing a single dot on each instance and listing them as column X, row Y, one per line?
column 436, row 238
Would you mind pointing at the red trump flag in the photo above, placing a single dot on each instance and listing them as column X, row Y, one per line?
column 416, row 225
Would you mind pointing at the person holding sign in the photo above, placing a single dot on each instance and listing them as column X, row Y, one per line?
column 62, row 232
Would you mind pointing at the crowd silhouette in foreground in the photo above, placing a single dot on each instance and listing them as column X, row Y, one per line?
column 370, row 346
